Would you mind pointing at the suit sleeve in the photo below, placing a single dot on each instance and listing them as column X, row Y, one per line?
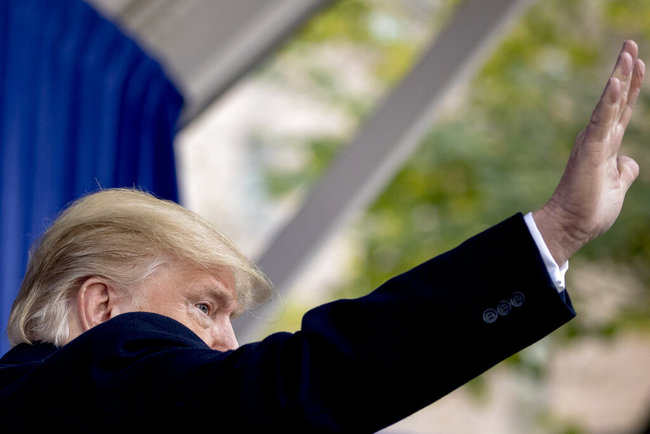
column 363, row 364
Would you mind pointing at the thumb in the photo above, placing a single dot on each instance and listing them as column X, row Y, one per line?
column 628, row 170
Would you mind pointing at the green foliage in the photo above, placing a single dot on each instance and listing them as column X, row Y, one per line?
column 500, row 151
column 317, row 154
column 383, row 28
column 505, row 149
column 343, row 21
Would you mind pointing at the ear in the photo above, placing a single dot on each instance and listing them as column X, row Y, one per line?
column 96, row 302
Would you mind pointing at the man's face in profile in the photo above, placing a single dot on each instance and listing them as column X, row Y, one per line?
column 204, row 302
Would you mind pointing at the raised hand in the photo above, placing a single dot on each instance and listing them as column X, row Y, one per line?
column 590, row 194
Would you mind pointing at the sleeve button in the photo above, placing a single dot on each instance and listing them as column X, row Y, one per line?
column 490, row 315
column 504, row 307
column 517, row 299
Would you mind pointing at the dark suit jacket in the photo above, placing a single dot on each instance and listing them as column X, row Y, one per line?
column 355, row 366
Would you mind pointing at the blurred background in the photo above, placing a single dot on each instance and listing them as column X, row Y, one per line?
column 362, row 137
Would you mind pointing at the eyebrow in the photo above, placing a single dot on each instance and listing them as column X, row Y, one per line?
column 224, row 297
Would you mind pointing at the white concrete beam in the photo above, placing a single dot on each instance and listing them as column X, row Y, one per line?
column 207, row 45
column 384, row 142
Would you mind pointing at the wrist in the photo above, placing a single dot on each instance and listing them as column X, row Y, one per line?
column 555, row 271
column 559, row 240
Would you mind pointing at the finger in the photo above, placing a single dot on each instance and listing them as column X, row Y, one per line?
column 625, row 62
column 633, row 94
column 628, row 170
column 605, row 114
column 624, row 71
column 612, row 106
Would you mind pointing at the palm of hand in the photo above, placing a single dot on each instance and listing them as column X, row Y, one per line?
column 590, row 194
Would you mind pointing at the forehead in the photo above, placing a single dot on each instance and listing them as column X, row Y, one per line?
column 219, row 277
column 183, row 280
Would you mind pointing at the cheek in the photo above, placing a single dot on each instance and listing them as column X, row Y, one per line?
column 206, row 334
column 164, row 306
column 197, row 321
column 217, row 334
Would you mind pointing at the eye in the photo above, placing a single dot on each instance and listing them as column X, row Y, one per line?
column 204, row 307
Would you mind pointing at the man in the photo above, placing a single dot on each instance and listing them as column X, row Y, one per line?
column 123, row 319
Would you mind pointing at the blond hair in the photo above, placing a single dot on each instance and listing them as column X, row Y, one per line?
column 122, row 235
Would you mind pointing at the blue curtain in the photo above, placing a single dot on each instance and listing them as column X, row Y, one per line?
column 81, row 107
